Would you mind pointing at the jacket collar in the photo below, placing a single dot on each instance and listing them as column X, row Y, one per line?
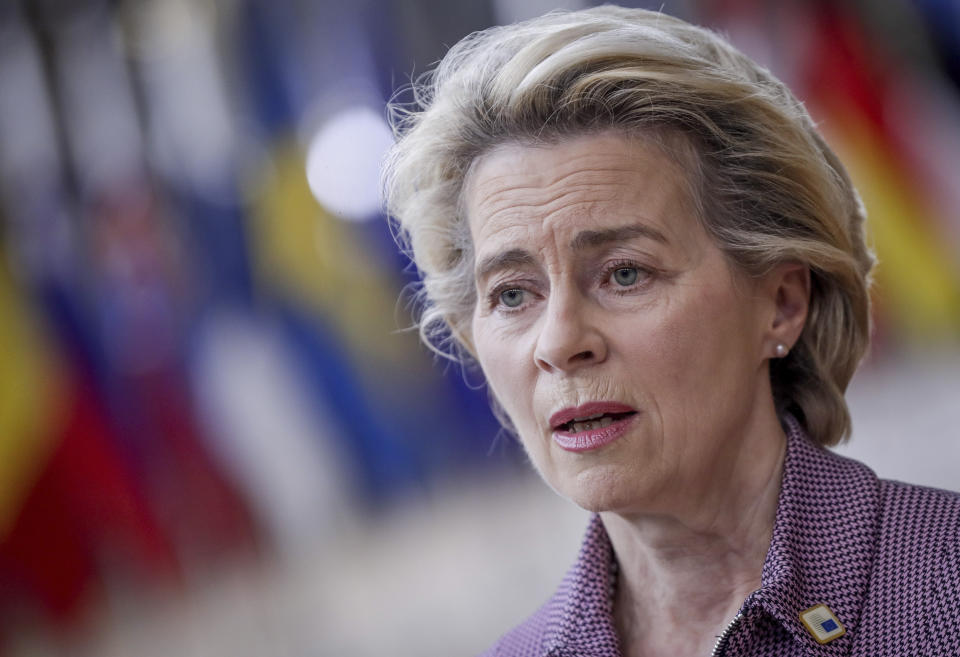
column 824, row 541
column 581, row 612
column 822, row 551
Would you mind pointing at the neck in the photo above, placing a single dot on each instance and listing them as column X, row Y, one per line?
column 683, row 576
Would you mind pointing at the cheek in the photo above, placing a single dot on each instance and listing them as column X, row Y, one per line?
column 500, row 361
column 713, row 344
column 661, row 343
column 689, row 343
column 507, row 364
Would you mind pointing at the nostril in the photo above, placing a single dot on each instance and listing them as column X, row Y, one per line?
column 566, row 345
column 544, row 365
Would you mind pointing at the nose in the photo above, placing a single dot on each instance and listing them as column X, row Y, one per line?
column 569, row 337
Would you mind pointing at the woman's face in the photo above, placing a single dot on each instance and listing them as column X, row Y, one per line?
column 624, row 348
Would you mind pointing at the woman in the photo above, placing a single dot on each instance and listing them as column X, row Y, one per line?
column 661, row 270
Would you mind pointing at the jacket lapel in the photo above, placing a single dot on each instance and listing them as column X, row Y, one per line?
column 824, row 542
column 580, row 615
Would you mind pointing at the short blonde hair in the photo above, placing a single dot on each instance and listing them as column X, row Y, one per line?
column 765, row 185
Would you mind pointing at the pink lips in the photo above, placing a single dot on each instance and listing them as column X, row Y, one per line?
column 592, row 438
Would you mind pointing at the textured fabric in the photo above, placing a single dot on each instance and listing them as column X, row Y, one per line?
column 882, row 555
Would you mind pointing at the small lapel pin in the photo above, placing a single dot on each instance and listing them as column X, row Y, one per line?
column 822, row 624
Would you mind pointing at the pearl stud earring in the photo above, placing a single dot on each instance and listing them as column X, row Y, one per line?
column 781, row 350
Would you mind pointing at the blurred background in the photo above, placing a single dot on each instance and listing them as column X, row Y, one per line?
column 217, row 436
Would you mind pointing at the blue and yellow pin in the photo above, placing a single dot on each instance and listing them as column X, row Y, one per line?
column 822, row 623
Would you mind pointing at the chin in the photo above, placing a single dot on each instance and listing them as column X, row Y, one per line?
column 604, row 488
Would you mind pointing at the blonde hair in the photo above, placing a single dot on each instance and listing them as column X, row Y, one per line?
column 766, row 186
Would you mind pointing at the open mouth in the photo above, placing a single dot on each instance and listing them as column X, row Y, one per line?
column 592, row 422
column 592, row 425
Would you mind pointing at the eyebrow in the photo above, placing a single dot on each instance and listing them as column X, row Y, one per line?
column 594, row 238
column 503, row 260
column 583, row 240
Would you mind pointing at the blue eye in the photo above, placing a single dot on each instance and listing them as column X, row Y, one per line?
column 511, row 298
column 625, row 276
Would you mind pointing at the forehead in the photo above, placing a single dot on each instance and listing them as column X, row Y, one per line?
column 522, row 191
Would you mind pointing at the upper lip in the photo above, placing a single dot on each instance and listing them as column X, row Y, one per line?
column 584, row 411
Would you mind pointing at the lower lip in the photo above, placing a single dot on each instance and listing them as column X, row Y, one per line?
column 594, row 438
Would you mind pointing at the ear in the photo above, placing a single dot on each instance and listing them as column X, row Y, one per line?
column 789, row 288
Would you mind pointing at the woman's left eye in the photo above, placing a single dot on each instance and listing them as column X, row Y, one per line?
column 625, row 276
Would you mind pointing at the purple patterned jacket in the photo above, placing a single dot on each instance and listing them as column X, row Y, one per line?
column 882, row 555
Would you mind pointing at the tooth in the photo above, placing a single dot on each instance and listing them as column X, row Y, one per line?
column 586, row 426
column 597, row 422
column 588, row 418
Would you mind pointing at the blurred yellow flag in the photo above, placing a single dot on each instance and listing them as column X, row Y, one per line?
column 30, row 402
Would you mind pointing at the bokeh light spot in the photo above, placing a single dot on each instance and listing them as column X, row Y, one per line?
column 343, row 162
